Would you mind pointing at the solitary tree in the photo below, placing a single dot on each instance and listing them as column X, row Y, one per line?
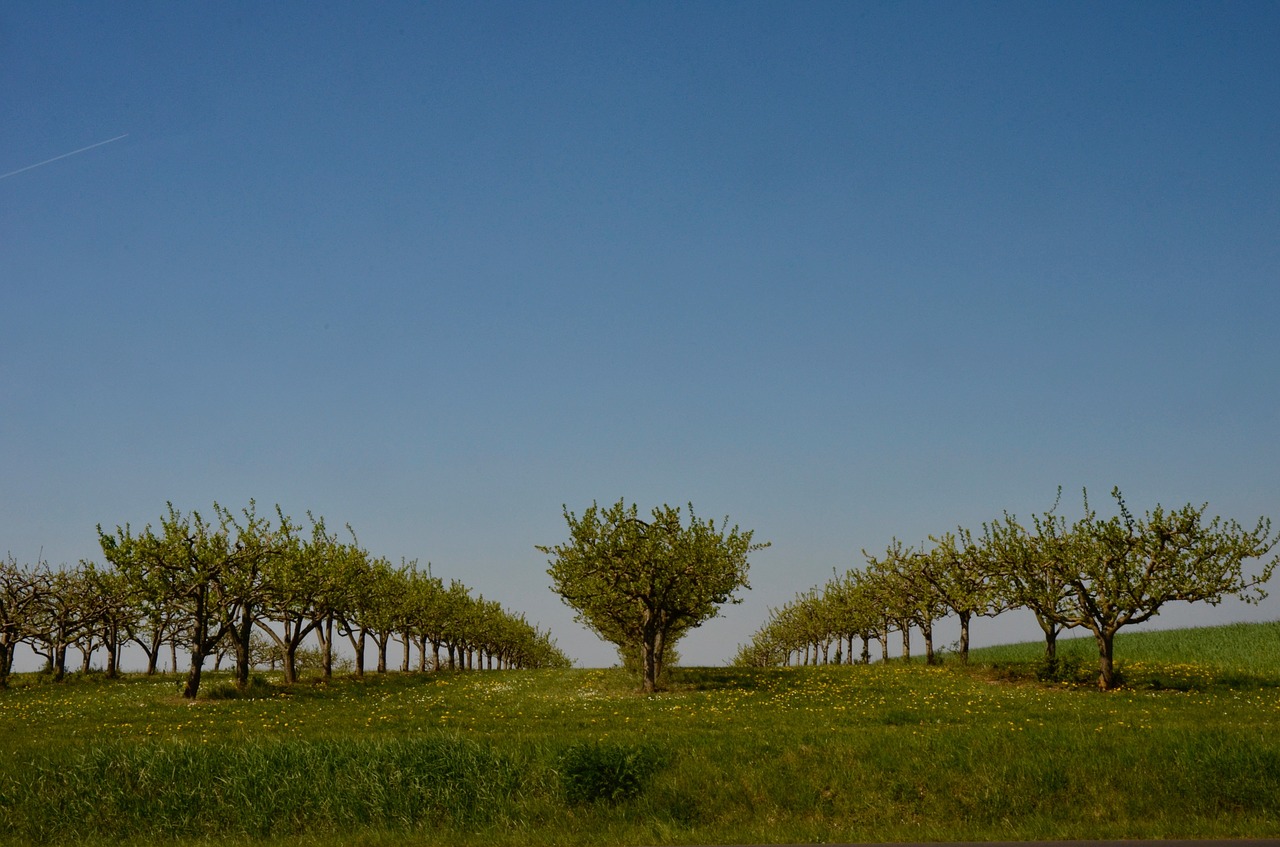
column 641, row 584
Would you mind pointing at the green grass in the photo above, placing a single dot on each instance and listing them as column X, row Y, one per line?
column 1240, row 654
column 881, row 753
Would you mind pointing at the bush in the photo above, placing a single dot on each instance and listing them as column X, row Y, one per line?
column 258, row 687
column 594, row 771
column 1065, row 669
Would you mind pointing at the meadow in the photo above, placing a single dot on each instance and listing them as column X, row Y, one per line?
column 1188, row 747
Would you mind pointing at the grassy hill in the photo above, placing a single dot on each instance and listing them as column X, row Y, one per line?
column 879, row 753
column 1239, row 653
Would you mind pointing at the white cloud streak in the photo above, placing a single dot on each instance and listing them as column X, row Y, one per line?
column 63, row 156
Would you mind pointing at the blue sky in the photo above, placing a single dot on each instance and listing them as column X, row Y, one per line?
column 842, row 272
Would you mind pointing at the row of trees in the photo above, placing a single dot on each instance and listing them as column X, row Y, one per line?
column 198, row 584
column 1101, row 574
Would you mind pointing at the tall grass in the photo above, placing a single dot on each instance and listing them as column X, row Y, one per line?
column 184, row 789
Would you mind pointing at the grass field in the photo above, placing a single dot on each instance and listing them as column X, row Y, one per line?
column 1190, row 747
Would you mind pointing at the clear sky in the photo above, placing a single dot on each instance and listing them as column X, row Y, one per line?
column 841, row 272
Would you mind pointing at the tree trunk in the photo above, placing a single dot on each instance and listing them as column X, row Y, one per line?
column 1050, row 630
column 404, row 663
column 927, row 629
column 325, row 633
column 193, row 677
column 242, row 636
column 382, row 653
column 650, row 650
column 359, row 648
column 1106, row 656
column 173, row 656
column 906, row 643
column 866, row 650
column 964, row 636
column 289, row 659
column 59, row 662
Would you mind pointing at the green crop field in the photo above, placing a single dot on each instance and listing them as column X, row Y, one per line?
column 1188, row 747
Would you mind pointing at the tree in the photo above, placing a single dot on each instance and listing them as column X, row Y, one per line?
column 642, row 584
column 195, row 567
column 297, row 593
column 903, row 595
column 21, row 593
column 1124, row 569
column 67, row 609
column 257, row 547
column 856, row 613
column 117, row 611
column 1031, row 570
column 961, row 572
column 379, row 602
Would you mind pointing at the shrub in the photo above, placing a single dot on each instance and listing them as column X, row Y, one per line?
column 258, row 687
column 1068, row 668
column 595, row 771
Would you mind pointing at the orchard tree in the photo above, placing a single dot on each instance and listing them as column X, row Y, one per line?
column 1123, row 570
column 641, row 584
column 1031, row 570
column 381, row 597
column 904, row 596
column 297, row 592
column 21, row 593
column 117, row 611
column 855, row 612
column 195, row 566
column 67, row 609
column 960, row 571
column 258, row 545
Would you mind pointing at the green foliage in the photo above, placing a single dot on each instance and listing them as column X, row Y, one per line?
column 1067, row 668
column 641, row 585
column 1101, row 574
column 606, row 772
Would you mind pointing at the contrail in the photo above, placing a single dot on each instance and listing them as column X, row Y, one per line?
column 63, row 156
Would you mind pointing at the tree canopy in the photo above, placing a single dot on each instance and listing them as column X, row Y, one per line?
column 642, row 584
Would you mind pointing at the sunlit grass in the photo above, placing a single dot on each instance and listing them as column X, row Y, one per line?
column 896, row 752
column 1239, row 654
